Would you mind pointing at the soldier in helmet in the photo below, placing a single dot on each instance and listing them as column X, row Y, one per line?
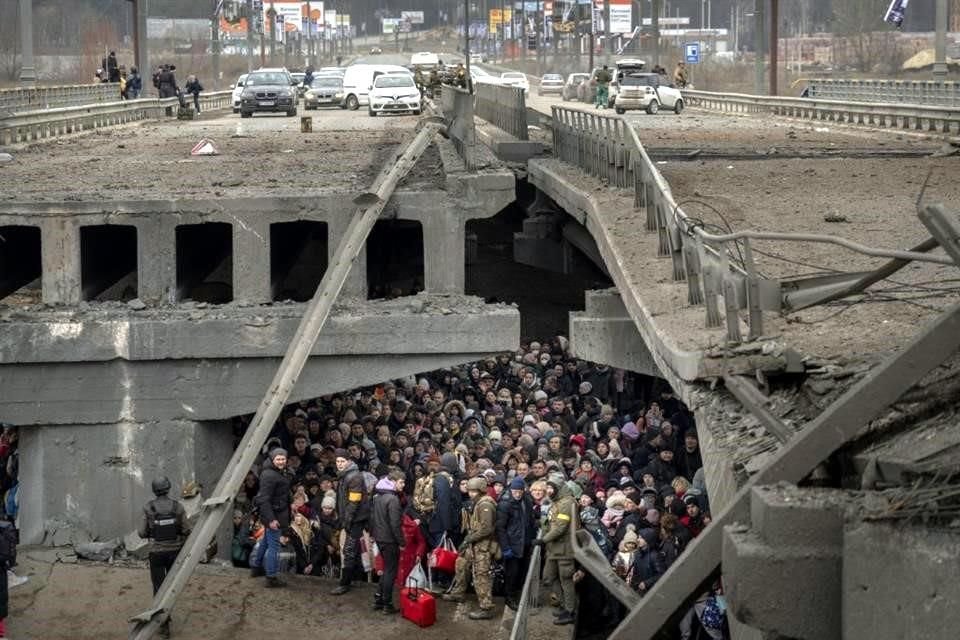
column 556, row 538
column 165, row 524
column 478, row 551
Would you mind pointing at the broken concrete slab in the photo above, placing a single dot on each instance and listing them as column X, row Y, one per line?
column 98, row 551
column 136, row 546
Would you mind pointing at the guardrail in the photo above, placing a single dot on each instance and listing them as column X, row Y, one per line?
column 503, row 107
column 33, row 98
column 48, row 123
column 925, row 92
column 912, row 117
column 457, row 107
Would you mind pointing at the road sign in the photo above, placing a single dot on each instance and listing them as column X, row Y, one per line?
column 691, row 52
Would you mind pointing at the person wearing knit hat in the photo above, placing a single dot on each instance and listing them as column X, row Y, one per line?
column 273, row 502
column 515, row 532
column 647, row 563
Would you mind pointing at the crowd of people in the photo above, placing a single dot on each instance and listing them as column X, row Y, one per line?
column 464, row 471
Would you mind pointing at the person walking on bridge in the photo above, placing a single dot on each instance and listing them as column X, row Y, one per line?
column 165, row 524
column 603, row 79
column 167, row 82
column 273, row 502
column 193, row 87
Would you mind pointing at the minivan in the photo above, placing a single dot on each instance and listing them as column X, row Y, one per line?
column 359, row 78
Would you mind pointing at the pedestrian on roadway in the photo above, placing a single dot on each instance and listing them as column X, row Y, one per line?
column 193, row 87
column 602, row 78
column 167, row 82
column 165, row 525
column 273, row 502
column 134, row 84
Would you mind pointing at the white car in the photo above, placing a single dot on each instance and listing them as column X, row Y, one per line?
column 644, row 91
column 394, row 93
column 479, row 75
column 476, row 57
column 237, row 91
column 515, row 79
column 550, row 83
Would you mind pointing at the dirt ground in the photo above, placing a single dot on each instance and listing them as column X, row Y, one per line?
column 92, row 601
column 152, row 160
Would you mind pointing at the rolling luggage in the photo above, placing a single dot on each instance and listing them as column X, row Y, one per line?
column 418, row 606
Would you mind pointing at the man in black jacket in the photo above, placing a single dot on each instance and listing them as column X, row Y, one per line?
column 385, row 528
column 353, row 505
column 273, row 502
column 165, row 524
column 515, row 530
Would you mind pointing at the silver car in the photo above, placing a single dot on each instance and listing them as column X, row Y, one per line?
column 550, row 83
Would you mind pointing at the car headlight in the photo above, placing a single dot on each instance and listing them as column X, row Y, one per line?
column 338, row 95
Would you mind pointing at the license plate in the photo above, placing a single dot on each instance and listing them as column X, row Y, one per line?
column 267, row 103
column 324, row 99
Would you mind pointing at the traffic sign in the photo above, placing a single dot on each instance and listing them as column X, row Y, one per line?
column 692, row 52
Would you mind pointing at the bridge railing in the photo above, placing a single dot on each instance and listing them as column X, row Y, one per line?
column 32, row 98
column 914, row 117
column 503, row 107
column 47, row 123
column 923, row 92
column 458, row 111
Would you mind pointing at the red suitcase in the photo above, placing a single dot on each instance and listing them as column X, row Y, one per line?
column 418, row 606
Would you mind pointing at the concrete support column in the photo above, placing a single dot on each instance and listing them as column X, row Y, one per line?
column 940, row 42
column 140, row 13
column 60, row 250
column 251, row 261
column 28, row 74
column 356, row 284
column 118, row 461
column 156, row 261
column 444, row 251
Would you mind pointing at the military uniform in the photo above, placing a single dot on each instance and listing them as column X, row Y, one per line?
column 556, row 540
column 477, row 553
column 165, row 525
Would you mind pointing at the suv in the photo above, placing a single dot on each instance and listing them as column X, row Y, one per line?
column 644, row 91
column 268, row 90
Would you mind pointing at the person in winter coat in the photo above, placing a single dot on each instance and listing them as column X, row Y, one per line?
column 273, row 503
column 556, row 539
column 353, row 507
column 134, row 84
column 516, row 532
column 301, row 536
column 387, row 530
column 414, row 546
column 688, row 459
column 647, row 564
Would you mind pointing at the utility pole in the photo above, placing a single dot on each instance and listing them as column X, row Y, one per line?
column 466, row 42
column 655, row 24
column 774, row 46
column 28, row 74
column 940, row 42
column 215, row 41
column 250, row 21
column 607, row 41
column 759, row 45
column 273, row 35
column 140, row 36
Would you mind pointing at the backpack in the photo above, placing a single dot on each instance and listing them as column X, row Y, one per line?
column 8, row 544
column 423, row 500
column 163, row 524
column 712, row 616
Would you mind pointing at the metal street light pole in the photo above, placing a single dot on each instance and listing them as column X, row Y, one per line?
column 250, row 21
column 940, row 42
column 28, row 74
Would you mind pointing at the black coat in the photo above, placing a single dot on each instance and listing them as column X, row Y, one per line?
column 273, row 499
column 688, row 463
column 385, row 518
column 647, row 568
column 515, row 525
column 353, row 503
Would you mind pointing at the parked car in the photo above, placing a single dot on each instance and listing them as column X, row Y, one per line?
column 375, row 51
column 479, row 75
column 394, row 93
column 268, row 90
column 476, row 58
column 644, row 91
column 550, row 83
column 359, row 78
column 325, row 90
column 572, row 85
column 237, row 91
column 515, row 79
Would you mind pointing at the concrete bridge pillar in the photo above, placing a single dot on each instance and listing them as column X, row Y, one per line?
column 251, row 270
column 97, row 477
column 356, row 284
column 60, row 248
column 156, row 260
column 444, row 251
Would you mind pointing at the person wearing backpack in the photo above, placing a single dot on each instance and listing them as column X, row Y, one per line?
column 165, row 525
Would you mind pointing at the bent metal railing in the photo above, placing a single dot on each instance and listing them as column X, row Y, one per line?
column 457, row 107
column 913, row 117
column 716, row 266
column 31, row 126
column 504, row 107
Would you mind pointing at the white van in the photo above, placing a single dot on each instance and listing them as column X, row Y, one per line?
column 359, row 78
column 424, row 59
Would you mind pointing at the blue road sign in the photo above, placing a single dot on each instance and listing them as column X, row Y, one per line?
column 692, row 52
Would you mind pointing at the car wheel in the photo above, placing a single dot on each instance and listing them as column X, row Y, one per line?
column 246, row 114
column 620, row 110
column 653, row 107
column 678, row 106
column 352, row 103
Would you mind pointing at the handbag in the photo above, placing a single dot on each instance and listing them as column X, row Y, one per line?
column 444, row 557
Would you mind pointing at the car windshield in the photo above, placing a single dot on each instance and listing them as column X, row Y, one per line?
column 550, row 77
column 399, row 80
column 578, row 77
column 260, row 79
column 638, row 81
column 326, row 81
